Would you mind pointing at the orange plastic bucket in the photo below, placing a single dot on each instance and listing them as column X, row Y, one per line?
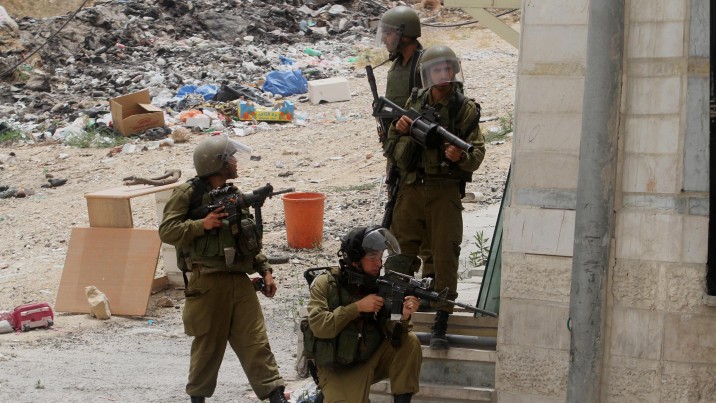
column 304, row 219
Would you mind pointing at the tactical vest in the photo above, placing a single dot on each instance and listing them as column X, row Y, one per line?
column 355, row 344
column 209, row 250
column 411, row 157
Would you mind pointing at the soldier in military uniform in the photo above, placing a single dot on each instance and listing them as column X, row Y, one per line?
column 428, row 208
column 398, row 31
column 357, row 345
column 221, row 301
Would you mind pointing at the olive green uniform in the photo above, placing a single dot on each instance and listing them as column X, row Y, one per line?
column 398, row 86
column 352, row 384
column 428, row 208
column 221, row 303
column 397, row 90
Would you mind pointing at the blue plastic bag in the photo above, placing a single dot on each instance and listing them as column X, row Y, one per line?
column 208, row 91
column 286, row 83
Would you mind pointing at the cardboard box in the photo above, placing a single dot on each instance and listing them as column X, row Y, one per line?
column 134, row 113
column 281, row 112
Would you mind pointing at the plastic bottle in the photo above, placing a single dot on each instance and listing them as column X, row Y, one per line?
column 312, row 52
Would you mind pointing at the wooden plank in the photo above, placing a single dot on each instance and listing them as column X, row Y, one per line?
column 109, row 213
column 128, row 192
column 120, row 262
column 160, row 284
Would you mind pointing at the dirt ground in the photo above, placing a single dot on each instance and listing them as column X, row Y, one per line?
column 143, row 359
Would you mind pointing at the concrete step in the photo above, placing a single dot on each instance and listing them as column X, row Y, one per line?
column 459, row 367
column 454, row 375
column 459, row 323
column 380, row 393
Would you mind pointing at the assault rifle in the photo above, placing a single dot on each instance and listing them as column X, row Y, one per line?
column 392, row 178
column 381, row 124
column 394, row 287
column 424, row 130
column 233, row 201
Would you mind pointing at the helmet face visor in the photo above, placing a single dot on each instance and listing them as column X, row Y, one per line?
column 235, row 151
column 389, row 36
column 441, row 71
column 380, row 241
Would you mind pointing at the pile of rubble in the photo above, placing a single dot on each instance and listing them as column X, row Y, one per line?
column 118, row 47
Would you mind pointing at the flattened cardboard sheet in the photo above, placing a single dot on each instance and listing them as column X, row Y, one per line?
column 120, row 262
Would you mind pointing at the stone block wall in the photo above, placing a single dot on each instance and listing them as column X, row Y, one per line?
column 660, row 336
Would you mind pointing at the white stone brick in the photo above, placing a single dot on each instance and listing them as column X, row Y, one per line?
column 567, row 44
column 657, row 10
column 690, row 338
column 688, row 383
column 639, row 284
column 696, row 239
column 661, row 39
column 539, row 231
column 507, row 397
column 538, row 169
column 534, row 323
column 636, row 333
column 531, row 370
column 656, row 134
column 684, row 290
column 568, row 12
column 549, row 94
column 648, row 235
column 537, row 277
column 651, row 173
column 548, row 132
column 632, row 380
column 653, row 95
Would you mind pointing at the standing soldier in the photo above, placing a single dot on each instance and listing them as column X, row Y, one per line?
column 399, row 30
column 428, row 208
column 221, row 302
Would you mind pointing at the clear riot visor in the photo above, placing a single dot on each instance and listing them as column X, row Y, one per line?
column 441, row 70
column 388, row 36
column 239, row 151
column 380, row 240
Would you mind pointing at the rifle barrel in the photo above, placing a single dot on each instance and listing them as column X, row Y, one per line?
column 472, row 308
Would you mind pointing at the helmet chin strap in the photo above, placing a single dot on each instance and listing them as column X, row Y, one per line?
column 354, row 275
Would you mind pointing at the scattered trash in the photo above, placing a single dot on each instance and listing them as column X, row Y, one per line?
column 180, row 135
column 170, row 176
column 32, row 316
column 281, row 112
column 53, row 183
column 286, row 82
column 165, row 302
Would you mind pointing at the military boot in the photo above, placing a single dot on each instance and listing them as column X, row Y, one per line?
column 438, row 336
column 277, row 396
column 198, row 399
column 404, row 398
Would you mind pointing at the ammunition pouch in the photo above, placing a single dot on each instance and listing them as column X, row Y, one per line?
column 408, row 154
column 354, row 345
column 249, row 239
